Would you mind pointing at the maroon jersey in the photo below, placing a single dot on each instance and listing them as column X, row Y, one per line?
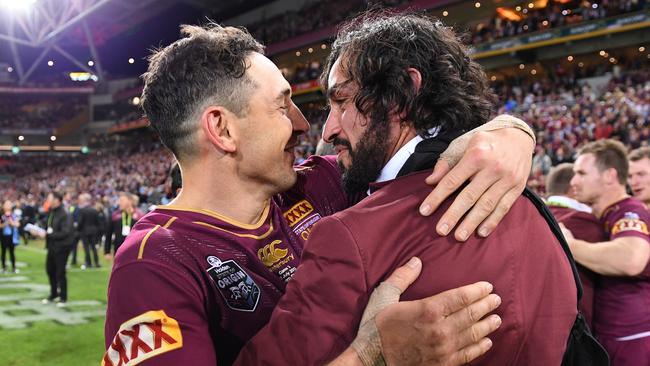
column 584, row 226
column 623, row 303
column 351, row 252
column 190, row 287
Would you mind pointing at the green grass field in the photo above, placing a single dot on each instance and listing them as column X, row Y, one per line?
column 33, row 334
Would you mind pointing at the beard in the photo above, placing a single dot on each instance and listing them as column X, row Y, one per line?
column 367, row 159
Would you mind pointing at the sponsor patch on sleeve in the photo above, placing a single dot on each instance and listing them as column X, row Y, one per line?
column 147, row 335
column 630, row 222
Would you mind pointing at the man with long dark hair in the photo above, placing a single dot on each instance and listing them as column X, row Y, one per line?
column 400, row 88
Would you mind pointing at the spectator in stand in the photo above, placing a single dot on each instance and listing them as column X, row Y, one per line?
column 120, row 224
column 541, row 161
column 9, row 225
column 88, row 226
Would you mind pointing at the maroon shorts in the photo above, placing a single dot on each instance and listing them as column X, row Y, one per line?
column 635, row 352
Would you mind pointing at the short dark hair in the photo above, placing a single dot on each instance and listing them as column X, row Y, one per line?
column 207, row 66
column 378, row 47
column 58, row 195
column 640, row 153
column 176, row 178
column 609, row 154
column 558, row 181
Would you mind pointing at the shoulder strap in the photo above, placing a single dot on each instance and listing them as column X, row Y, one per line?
column 555, row 228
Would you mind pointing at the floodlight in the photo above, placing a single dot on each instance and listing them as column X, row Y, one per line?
column 17, row 5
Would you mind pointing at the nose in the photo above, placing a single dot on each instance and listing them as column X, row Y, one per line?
column 332, row 127
column 298, row 120
column 573, row 182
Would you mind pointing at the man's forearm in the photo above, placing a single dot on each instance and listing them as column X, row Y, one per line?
column 348, row 358
column 611, row 258
column 457, row 148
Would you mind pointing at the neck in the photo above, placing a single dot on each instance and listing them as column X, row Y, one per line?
column 611, row 197
column 224, row 192
column 405, row 134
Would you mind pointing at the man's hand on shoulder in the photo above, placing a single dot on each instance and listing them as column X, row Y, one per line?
column 444, row 329
column 496, row 162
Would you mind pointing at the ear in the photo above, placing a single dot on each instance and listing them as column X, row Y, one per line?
column 217, row 123
column 612, row 175
column 416, row 78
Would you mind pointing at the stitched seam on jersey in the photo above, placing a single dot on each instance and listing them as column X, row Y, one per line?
column 144, row 241
column 256, row 237
column 257, row 225
column 168, row 224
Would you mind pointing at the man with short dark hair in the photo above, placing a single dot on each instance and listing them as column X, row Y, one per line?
column 578, row 218
column 622, row 315
column 639, row 174
column 400, row 88
column 209, row 268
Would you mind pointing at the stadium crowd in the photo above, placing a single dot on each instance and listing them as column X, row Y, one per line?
column 37, row 112
column 319, row 15
column 554, row 15
column 565, row 116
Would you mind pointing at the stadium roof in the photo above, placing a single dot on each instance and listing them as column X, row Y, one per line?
column 72, row 33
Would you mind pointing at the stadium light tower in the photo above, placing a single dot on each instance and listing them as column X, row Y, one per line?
column 17, row 5
column 41, row 24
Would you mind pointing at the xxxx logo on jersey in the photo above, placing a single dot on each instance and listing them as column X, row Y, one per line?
column 301, row 217
column 298, row 212
column 145, row 336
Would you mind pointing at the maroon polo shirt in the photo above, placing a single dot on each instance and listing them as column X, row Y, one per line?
column 351, row 252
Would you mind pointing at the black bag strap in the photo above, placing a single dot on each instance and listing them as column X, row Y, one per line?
column 555, row 228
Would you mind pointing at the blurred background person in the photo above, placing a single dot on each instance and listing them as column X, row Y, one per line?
column 9, row 223
column 578, row 218
column 88, row 226
column 120, row 223
column 639, row 174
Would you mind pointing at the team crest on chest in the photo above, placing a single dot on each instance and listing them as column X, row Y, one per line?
column 236, row 287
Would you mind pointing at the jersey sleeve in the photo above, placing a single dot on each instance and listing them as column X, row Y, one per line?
column 321, row 308
column 155, row 316
column 632, row 223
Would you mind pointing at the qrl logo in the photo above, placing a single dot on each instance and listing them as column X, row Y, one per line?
column 145, row 336
column 269, row 255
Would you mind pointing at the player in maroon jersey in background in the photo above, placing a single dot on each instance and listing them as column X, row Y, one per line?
column 578, row 218
column 622, row 312
column 196, row 279
column 639, row 174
